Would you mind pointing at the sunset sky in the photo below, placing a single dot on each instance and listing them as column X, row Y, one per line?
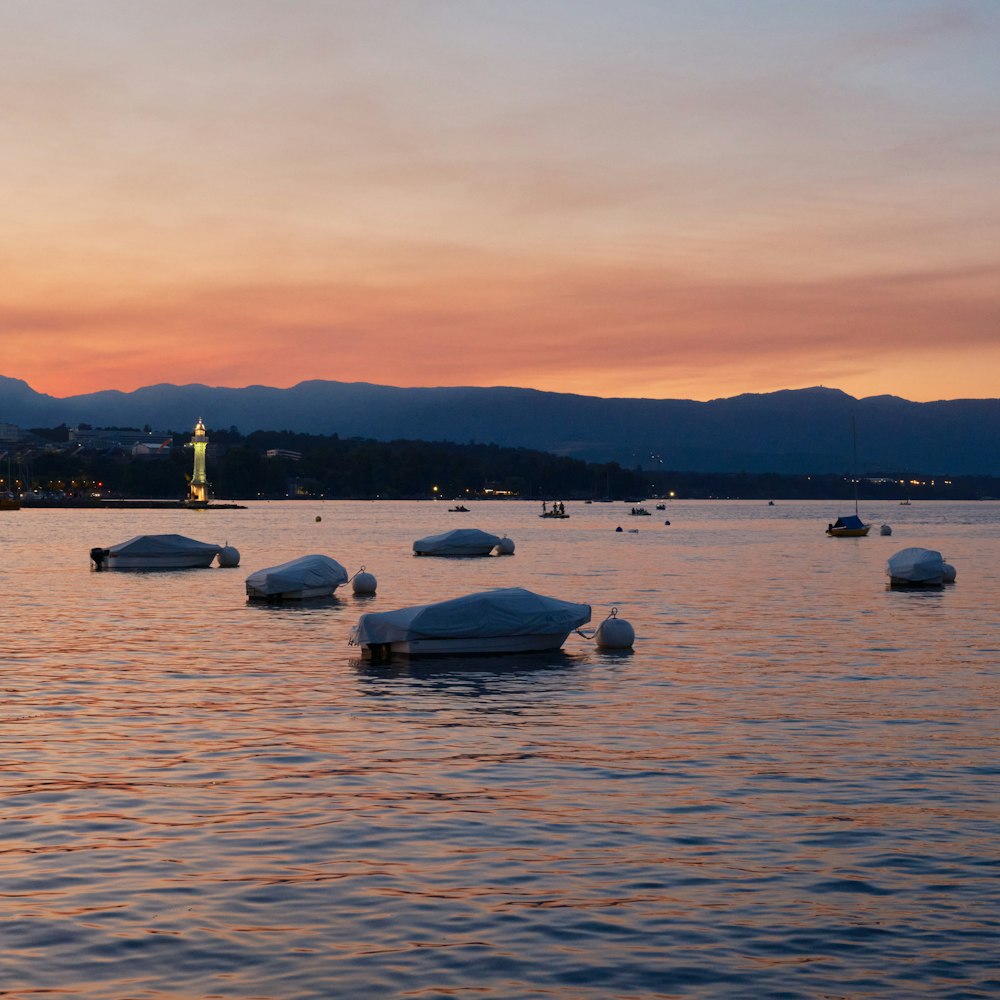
column 661, row 198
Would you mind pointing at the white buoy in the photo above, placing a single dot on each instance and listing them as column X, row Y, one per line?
column 363, row 583
column 885, row 530
column 949, row 573
column 505, row 547
column 228, row 557
column 614, row 632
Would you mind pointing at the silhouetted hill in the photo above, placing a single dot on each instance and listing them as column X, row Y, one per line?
column 792, row 431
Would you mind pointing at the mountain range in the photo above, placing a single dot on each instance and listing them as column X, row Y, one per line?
column 790, row 431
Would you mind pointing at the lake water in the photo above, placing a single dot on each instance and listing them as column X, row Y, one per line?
column 788, row 789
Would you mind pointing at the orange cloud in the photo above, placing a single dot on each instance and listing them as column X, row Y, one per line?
column 600, row 332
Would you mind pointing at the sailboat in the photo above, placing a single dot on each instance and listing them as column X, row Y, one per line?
column 8, row 499
column 851, row 525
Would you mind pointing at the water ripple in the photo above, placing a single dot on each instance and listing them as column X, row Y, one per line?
column 787, row 790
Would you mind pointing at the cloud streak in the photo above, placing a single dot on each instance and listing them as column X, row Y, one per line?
column 602, row 333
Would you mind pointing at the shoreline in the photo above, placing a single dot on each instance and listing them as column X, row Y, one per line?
column 127, row 505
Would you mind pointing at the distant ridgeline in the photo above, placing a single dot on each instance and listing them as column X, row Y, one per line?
column 283, row 464
column 790, row 432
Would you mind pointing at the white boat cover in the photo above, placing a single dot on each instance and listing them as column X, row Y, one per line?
column 916, row 565
column 303, row 573
column 492, row 613
column 460, row 542
column 162, row 546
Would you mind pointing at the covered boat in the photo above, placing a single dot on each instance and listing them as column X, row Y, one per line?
column 459, row 542
column 156, row 552
column 848, row 527
column 916, row 567
column 297, row 580
column 510, row 620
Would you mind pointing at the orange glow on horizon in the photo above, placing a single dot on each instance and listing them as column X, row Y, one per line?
column 600, row 332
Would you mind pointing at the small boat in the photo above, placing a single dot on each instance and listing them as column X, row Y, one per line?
column 145, row 552
column 904, row 503
column 558, row 511
column 850, row 526
column 460, row 509
column 639, row 512
column 661, row 506
column 510, row 620
column 297, row 580
column 458, row 542
column 918, row 567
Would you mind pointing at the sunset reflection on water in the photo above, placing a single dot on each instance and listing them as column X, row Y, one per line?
column 788, row 786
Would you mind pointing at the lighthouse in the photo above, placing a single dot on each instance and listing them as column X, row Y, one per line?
column 198, row 490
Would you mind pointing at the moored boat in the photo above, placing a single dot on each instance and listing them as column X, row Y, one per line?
column 918, row 567
column 152, row 552
column 299, row 579
column 458, row 542
column 508, row 620
column 850, row 526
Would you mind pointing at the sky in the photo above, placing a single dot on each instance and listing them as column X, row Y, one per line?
column 645, row 198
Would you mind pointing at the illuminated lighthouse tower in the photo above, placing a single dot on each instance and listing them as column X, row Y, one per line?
column 198, row 490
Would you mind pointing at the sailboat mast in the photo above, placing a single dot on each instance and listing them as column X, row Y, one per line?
column 854, row 434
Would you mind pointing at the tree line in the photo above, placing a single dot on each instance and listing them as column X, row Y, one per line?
column 329, row 467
